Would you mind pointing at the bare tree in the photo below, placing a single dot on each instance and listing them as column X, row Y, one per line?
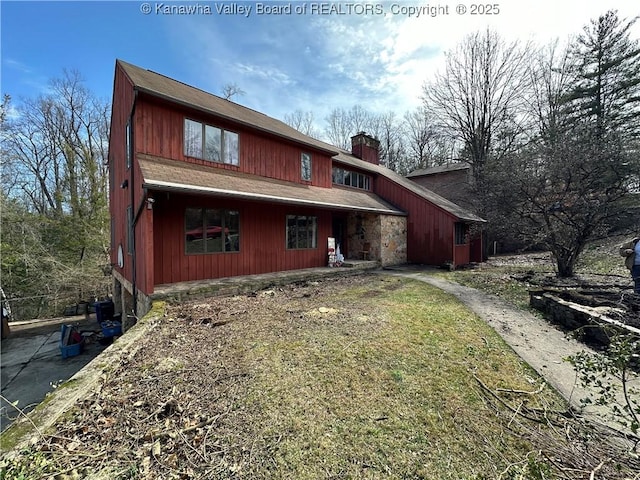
column 230, row 90
column 388, row 130
column 343, row 124
column 302, row 121
column 33, row 156
column 564, row 196
column 551, row 78
column 7, row 175
column 480, row 99
column 427, row 144
column 4, row 108
column 55, row 147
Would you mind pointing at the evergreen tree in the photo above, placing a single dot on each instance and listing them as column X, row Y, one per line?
column 570, row 185
column 606, row 62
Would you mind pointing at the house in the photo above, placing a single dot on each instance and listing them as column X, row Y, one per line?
column 450, row 180
column 204, row 188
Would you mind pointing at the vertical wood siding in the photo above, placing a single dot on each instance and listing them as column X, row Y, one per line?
column 430, row 229
column 259, row 154
column 462, row 254
column 119, row 198
column 262, row 240
column 160, row 243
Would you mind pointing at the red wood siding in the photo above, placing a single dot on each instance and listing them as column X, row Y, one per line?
column 162, row 135
column 476, row 249
column 119, row 198
column 262, row 240
column 462, row 255
column 430, row 229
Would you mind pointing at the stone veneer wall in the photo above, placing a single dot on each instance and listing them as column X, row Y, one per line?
column 393, row 231
column 387, row 235
column 363, row 228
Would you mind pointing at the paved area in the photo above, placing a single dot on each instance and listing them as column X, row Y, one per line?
column 32, row 362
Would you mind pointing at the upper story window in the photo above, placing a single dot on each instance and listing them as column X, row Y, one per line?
column 305, row 166
column 351, row 179
column 210, row 143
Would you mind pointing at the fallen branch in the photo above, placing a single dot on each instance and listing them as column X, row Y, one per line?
column 522, row 392
column 515, row 411
column 593, row 472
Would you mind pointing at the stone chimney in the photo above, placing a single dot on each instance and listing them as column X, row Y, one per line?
column 366, row 148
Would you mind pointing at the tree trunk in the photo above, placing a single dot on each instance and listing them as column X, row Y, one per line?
column 565, row 266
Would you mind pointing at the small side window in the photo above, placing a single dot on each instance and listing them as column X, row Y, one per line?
column 129, row 145
column 305, row 166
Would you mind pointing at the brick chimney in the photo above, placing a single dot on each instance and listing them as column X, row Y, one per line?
column 366, row 148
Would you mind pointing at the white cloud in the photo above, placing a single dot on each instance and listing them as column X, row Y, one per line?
column 17, row 65
column 319, row 63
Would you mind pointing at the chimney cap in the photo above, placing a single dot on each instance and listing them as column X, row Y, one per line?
column 363, row 134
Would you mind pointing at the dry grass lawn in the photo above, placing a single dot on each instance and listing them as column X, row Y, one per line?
column 368, row 377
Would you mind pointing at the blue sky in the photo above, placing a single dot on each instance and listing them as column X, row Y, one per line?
column 283, row 62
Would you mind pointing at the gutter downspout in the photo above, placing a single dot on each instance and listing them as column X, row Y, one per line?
column 132, row 149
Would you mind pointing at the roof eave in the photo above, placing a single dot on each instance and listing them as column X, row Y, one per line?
column 178, row 187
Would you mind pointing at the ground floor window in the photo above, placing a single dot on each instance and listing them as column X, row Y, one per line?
column 209, row 230
column 302, row 232
column 462, row 233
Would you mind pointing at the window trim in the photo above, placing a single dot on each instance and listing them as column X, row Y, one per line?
column 128, row 133
column 461, row 233
column 306, row 166
column 350, row 178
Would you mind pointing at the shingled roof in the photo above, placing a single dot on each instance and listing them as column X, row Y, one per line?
column 161, row 86
column 448, row 167
column 459, row 212
column 165, row 174
column 158, row 85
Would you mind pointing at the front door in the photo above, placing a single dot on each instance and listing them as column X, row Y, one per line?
column 339, row 232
